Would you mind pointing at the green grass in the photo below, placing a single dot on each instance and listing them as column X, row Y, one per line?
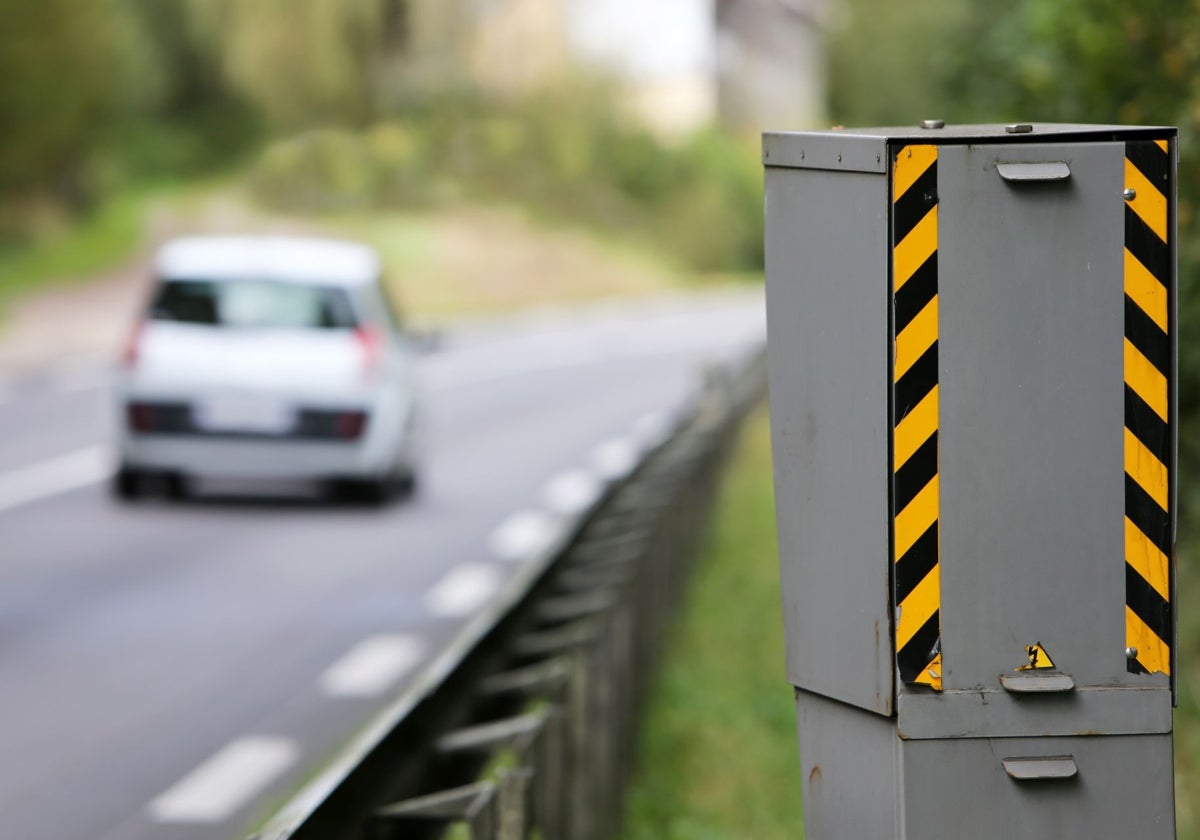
column 102, row 240
column 98, row 242
column 718, row 757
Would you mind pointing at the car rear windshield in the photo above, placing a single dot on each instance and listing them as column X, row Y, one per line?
column 253, row 303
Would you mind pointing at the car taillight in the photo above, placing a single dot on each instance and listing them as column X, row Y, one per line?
column 350, row 424
column 139, row 416
column 129, row 354
column 370, row 342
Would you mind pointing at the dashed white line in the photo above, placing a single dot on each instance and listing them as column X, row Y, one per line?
column 524, row 534
column 572, row 492
column 372, row 666
column 653, row 428
column 615, row 458
column 463, row 590
column 56, row 475
column 215, row 790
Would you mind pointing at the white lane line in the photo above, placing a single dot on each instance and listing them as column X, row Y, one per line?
column 653, row 428
column 524, row 534
column 463, row 590
column 57, row 475
column 572, row 492
column 372, row 666
column 215, row 790
column 615, row 458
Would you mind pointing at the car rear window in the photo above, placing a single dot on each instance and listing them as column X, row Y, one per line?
column 253, row 303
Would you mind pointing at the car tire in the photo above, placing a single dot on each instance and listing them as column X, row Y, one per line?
column 362, row 491
column 127, row 484
column 175, row 487
column 407, row 484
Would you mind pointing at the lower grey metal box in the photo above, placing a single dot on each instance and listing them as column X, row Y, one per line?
column 855, row 770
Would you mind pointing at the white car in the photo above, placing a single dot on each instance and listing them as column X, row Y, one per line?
column 268, row 357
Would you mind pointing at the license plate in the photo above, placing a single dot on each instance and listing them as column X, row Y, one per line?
column 242, row 414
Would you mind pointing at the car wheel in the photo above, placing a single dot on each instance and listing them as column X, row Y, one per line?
column 175, row 486
column 126, row 484
column 368, row 491
column 406, row 484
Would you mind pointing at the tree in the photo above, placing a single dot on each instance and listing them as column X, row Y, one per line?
column 58, row 88
column 1106, row 61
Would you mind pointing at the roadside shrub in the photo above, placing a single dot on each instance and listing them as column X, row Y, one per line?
column 566, row 154
column 318, row 171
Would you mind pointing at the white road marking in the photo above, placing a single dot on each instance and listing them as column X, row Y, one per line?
column 372, row 666
column 524, row 534
column 615, row 458
column 572, row 492
column 56, row 475
column 653, row 428
column 463, row 590
column 215, row 790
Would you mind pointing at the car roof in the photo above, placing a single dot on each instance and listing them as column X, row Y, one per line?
column 289, row 259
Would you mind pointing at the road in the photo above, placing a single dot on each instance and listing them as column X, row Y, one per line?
column 176, row 670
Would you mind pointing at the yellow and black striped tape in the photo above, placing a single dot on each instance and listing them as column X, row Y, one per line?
column 915, row 500
column 1148, row 441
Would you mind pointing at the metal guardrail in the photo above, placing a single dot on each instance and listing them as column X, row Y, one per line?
column 526, row 727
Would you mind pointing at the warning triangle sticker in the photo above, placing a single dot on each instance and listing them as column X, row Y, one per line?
column 1038, row 658
column 932, row 675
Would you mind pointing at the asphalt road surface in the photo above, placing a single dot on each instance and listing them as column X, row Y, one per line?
column 177, row 670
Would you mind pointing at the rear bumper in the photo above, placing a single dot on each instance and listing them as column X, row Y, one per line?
column 309, row 450
column 220, row 457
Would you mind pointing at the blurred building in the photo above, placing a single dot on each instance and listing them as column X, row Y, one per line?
column 681, row 63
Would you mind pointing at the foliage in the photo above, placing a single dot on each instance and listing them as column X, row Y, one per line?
column 717, row 757
column 298, row 61
column 888, row 60
column 99, row 92
column 1104, row 61
column 57, row 87
column 567, row 153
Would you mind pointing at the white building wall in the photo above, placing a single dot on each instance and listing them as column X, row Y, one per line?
column 663, row 50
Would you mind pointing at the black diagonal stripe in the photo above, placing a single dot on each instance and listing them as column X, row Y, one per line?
column 915, row 656
column 917, row 562
column 917, row 381
column 1144, row 244
column 916, row 293
column 1145, row 513
column 1147, row 337
column 915, row 204
column 1151, row 161
column 1146, row 426
column 917, row 471
column 1135, row 667
column 1147, row 604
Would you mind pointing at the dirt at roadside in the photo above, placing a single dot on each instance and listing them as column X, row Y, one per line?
column 86, row 321
column 446, row 264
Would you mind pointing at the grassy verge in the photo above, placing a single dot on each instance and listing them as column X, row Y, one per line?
column 94, row 244
column 103, row 240
column 480, row 259
column 718, row 757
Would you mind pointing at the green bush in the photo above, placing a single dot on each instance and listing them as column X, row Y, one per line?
column 567, row 154
column 318, row 171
